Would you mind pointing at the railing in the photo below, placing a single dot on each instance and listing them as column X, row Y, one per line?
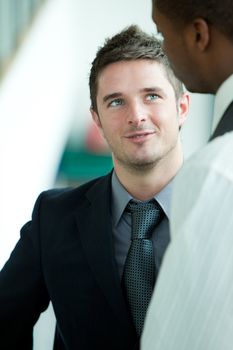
column 15, row 19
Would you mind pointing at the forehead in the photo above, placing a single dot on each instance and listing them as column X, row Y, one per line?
column 164, row 23
column 154, row 9
column 158, row 18
column 126, row 74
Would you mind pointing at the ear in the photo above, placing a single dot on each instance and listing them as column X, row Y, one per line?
column 97, row 121
column 96, row 118
column 183, row 108
column 200, row 34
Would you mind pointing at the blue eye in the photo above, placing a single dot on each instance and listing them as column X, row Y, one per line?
column 152, row 97
column 116, row 102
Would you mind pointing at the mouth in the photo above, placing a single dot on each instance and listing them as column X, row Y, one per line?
column 139, row 136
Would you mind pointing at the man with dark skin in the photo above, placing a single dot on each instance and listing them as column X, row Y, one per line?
column 192, row 305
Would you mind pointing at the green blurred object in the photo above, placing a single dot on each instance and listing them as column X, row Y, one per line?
column 80, row 165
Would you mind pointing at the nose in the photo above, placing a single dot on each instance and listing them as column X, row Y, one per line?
column 136, row 114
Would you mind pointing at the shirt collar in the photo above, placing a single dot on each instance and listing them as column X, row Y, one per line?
column 223, row 99
column 120, row 198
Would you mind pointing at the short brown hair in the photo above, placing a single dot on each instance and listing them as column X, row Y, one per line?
column 128, row 45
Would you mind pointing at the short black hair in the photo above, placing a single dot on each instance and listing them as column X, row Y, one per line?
column 219, row 13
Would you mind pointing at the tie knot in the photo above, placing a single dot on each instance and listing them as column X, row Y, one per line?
column 145, row 217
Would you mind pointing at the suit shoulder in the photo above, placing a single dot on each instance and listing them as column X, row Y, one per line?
column 66, row 198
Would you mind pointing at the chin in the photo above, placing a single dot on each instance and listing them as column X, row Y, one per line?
column 193, row 89
column 143, row 164
column 200, row 88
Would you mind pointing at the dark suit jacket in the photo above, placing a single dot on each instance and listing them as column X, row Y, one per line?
column 225, row 124
column 65, row 254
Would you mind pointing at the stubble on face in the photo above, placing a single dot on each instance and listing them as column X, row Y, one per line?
column 146, row 157
column 140, row 164
column 132, row 149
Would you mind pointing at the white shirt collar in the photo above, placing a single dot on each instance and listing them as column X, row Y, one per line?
column 223, row 98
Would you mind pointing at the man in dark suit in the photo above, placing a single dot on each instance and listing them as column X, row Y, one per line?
column 74, row 249
column 192, row 303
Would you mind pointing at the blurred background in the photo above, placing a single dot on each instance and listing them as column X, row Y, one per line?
column 47, row 138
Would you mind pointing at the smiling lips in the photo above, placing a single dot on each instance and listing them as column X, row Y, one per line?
column 139, row 136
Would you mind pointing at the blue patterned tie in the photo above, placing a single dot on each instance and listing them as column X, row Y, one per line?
column 139, row 271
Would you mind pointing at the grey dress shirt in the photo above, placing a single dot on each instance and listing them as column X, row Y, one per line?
column 121, row 223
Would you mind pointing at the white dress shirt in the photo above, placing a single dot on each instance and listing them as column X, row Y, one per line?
column 192, row 305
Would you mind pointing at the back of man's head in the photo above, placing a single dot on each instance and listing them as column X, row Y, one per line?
column 218, row 13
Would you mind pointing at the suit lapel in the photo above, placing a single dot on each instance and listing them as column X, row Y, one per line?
column 95, row 229
column 225, row 124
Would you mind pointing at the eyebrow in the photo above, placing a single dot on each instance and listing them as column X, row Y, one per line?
column 111, row 96
column 154, row 89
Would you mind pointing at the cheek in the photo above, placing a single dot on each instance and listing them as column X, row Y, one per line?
column 110, row 129
column 166, row 117
column 167, row 46
column 158, row 113
column 172, row 51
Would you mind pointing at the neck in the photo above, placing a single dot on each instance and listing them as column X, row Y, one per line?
column 145, row 184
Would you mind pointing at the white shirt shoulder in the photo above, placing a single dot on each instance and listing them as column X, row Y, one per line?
column 201, row 180
column 192, row 305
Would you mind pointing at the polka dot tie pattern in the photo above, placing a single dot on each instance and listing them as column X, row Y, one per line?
column 139, row 270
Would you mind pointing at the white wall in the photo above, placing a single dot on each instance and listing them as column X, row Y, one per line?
column 45, row 95
column 37, row 106
column 196, row 129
